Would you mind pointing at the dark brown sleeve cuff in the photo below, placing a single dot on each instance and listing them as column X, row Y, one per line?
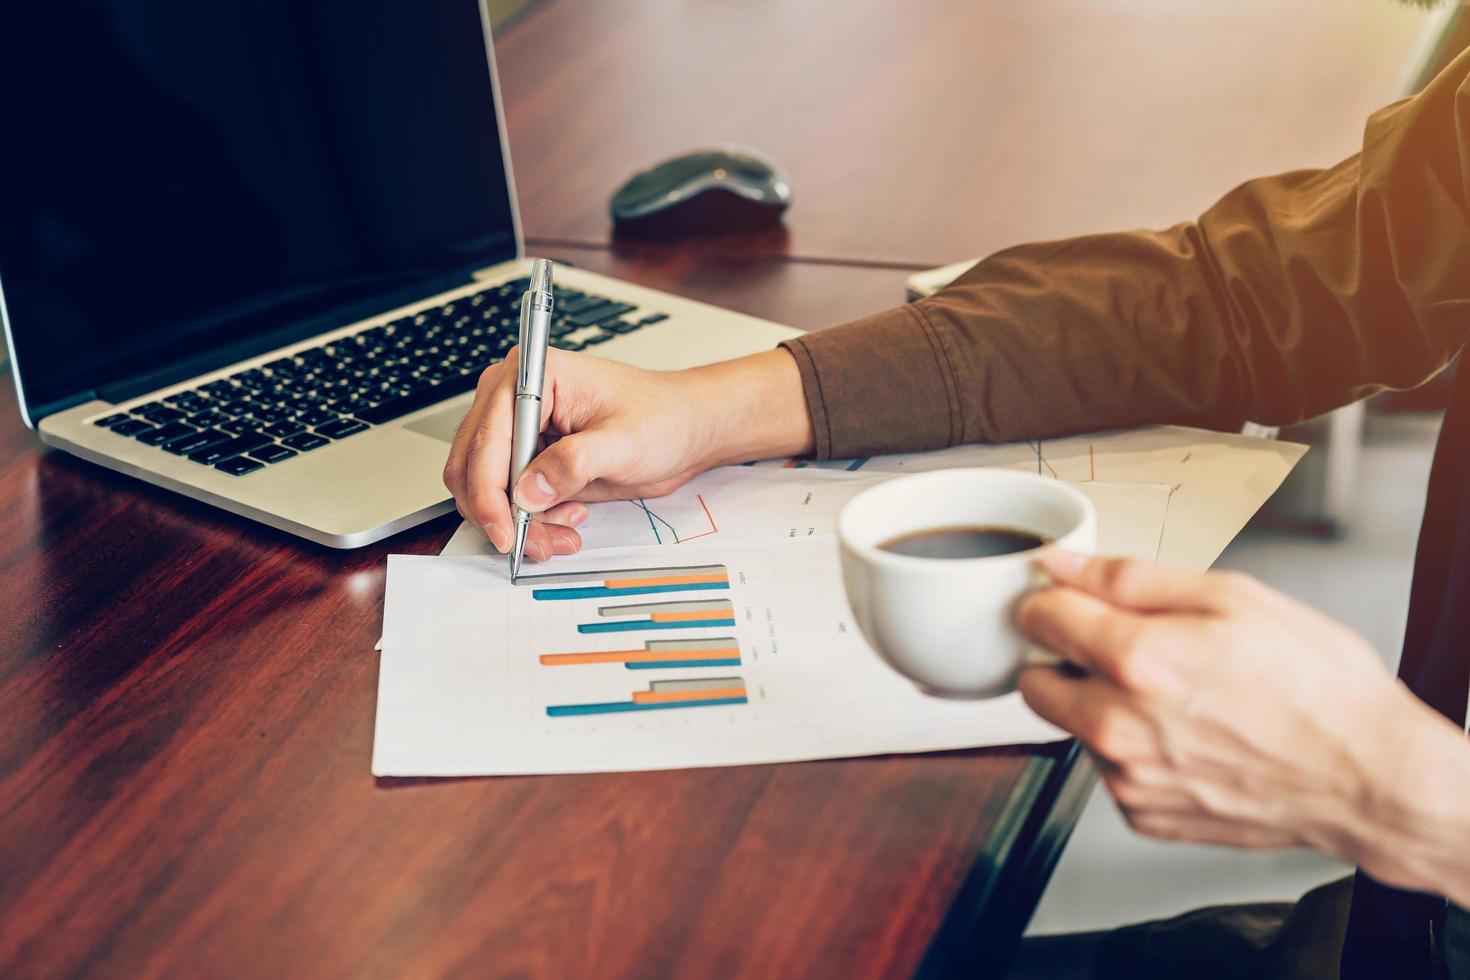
column 878, row 385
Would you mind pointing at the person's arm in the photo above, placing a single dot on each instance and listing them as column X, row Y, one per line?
column 1291, row 296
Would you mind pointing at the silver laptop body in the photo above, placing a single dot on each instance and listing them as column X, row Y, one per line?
column 370, row 482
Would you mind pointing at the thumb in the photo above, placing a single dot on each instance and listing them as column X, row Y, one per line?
column 561, row 471
column 1128, row 583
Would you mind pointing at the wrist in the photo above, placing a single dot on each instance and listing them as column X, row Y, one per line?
column 1417, row 807
column 755, row 408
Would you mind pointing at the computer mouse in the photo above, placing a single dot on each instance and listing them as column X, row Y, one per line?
column 705, row 191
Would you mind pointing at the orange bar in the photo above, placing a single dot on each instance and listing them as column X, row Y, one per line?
column 637, row 583
column 638, row 656
column 674, row 617
column 663, row 697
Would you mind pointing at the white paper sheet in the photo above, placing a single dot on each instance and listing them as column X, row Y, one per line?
column 1217, row 480
column 787, row 504
column 464, row 688
column 738, row 503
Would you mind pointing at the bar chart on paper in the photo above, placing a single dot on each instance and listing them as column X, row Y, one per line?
column 695, row 618
column 737, row 653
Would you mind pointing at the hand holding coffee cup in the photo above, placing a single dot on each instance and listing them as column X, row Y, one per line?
column 934, row 565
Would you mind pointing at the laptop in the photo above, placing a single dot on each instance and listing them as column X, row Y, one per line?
column 259, row 252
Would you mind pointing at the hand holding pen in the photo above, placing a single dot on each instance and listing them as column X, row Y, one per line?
column 613, row 432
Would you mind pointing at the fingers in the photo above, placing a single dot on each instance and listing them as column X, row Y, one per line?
column 560, row 473
column 487, row 456
column 1165, row 825
column 552, row 533
column 1091, row 709
column 454, row 464
column 545, row 540
column 1132, row 584
column 568, row 514
column 1080, row 627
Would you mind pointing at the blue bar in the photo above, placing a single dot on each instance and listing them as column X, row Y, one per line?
column 648, row 624
column 615, row 707
column 653, row 665
column 602, row 592
column 858, row 463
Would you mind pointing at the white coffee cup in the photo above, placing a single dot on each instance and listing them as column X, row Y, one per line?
column 948, row 624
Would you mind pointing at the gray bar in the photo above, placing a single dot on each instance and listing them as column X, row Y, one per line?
column 649, row 608
column 601, row 575
column 707, row 643
column 698, row 684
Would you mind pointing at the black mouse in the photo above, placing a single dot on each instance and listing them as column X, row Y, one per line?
column 707, row 191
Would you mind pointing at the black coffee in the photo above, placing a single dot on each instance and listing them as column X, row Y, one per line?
column 968, row 541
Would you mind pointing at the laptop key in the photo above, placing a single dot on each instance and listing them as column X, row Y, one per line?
column 341, row 429
column 305, row 441
column 109, row 421
column 209, row 419
column 289, row 427
column 193, row 441
column 239, row 426
column 239, row 465
column 272, row 453
column 131, row 427
column 231, row 447
column 394, row 408
column 599, row 313
column 160, row 416
column 162, row 434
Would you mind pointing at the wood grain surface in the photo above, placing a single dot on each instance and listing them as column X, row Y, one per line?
column 186, row 722
column 932, row 132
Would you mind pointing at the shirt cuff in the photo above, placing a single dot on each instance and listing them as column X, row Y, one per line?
column 881, row 384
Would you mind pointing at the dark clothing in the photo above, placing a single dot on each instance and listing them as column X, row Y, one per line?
column 1291, row 296
column 1260, row 941
column 1392, row 929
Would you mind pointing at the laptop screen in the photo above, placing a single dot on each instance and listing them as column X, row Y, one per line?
column 184, row 179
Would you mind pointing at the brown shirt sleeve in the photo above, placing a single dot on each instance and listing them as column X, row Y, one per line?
column 1292, row 295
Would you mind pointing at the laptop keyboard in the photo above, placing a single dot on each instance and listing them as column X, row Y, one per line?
column 292, row 405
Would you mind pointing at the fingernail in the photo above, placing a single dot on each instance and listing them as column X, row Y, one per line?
column 1063, row 563
column 563, row 544
column 497, row 537
column 576, row 515
column 539, row 551
column 534, row 493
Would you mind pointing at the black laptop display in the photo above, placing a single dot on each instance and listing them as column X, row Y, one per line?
column 183, row 185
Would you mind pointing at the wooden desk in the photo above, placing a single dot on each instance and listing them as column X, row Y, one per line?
column 186, row 721
column 187, row 701
column 928, row 133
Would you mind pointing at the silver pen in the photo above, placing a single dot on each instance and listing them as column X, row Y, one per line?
column 535, row 335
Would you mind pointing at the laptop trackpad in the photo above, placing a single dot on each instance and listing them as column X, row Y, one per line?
column 442, row 424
